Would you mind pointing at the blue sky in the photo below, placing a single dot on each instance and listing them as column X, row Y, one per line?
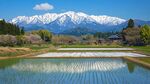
column 136, row 9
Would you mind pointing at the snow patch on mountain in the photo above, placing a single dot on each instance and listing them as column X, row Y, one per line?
column 62, row 18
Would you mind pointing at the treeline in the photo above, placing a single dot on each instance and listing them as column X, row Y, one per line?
column 11, row 35
column 136, row 35
column 105, row 35
column 10, row 29
column 34, row 37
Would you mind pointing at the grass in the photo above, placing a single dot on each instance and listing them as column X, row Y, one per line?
column 37, row 46
column 9, row 54
column 32, row 49
column 147, row 60
column 91, row 46
column 142, row 49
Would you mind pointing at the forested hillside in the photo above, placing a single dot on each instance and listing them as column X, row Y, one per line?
column 10, row 29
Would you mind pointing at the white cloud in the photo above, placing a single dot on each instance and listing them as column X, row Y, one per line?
column 43, row 6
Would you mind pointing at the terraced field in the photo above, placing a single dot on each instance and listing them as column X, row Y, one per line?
column 74, row 71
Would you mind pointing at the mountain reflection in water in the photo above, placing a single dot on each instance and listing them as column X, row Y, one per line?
column 74, row 71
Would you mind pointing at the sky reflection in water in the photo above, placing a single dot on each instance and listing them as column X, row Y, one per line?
column 73, row 71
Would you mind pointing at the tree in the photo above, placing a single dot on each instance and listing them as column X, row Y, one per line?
column 130, row 23
column 8, row 28
column 44, row 34
column 20, row 40
column 132, row 36
column 34, row 39
column 7, row 40
column 22, row 31
column 2, row 26
column 145, row 34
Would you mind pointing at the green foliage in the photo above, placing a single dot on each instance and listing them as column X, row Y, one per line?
column 22, row 31
column 143, row 49
column 130, row 23
column 10, row 29
column 145, row 34
column 132, row 35
column 44, row 34
column 20, row 40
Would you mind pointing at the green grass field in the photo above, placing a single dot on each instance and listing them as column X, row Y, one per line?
column 142, row 49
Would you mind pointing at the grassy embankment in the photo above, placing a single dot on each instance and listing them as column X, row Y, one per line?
column 26, row 49
column 143, row 50
column 92, row 46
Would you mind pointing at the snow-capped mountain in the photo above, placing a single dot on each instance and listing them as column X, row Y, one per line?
column 61, row 18
column 63, row 22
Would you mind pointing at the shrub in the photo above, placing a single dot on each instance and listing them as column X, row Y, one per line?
column 7, row 40
column 145, row 34
column 44, row 34
column 132, row 36
column 62, row 39
column 33, row 39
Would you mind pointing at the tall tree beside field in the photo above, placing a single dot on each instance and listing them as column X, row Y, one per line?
column 145, row 34
column 22, row 31
column 130, row 23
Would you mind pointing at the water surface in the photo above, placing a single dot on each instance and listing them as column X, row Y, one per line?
column 72, row 71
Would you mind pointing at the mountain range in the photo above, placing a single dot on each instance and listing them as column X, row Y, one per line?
column 73, row 21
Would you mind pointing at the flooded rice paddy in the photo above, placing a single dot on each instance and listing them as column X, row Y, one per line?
column 91, row 54
column 72, row 71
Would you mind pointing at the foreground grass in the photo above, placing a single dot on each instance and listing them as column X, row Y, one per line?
column 91, row 46
column 142, row 49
